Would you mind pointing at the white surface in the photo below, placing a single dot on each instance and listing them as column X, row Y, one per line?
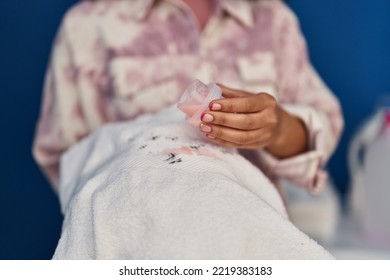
column 348, row 243
column 154, row 188
column 321, row 218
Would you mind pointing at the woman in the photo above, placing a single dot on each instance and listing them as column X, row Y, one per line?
column 115, row 60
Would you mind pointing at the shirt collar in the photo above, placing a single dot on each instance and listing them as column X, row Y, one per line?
column 238, row 9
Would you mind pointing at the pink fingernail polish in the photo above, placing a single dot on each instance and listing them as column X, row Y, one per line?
column 205, row 128
column 215, row 107
column 210, row 136
column 207, row 117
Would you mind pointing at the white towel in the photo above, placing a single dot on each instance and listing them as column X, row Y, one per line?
column 154, row 188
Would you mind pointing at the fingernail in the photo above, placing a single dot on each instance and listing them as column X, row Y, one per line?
column 205, row 128
column 206, row 117
column 215, row 107
column 210, row 136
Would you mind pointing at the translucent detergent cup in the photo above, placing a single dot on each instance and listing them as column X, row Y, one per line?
column 196, row 99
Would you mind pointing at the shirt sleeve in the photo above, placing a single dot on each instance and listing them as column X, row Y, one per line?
column 61, row 122
column 302, row 93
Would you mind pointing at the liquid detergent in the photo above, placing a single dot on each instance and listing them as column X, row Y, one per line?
column 196, row 99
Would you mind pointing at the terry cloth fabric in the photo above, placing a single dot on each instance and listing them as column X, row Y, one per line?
column 155, row 188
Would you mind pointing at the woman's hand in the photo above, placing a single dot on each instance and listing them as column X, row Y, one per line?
column 245, row 120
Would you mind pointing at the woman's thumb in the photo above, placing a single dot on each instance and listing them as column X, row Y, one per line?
column 230, row 92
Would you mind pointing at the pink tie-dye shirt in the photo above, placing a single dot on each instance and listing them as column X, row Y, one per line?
column 114, row 60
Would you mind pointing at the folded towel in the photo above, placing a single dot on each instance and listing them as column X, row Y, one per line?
column 154, row 188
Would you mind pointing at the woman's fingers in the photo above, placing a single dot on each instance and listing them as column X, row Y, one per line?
column 238, row 137
column 250, row 103
column 239, row 121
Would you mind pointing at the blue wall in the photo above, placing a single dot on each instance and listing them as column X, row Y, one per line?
column 30, row 221
column 349, row 43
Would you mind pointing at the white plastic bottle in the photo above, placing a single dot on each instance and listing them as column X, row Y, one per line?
column 376, row 202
